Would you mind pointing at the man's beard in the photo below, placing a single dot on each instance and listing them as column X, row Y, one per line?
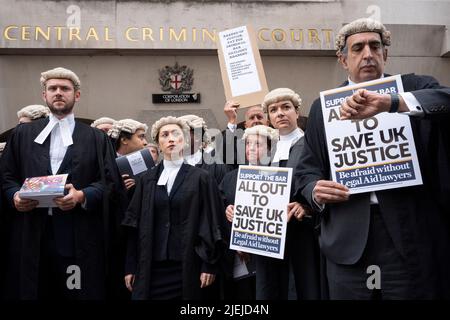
column 64, row 111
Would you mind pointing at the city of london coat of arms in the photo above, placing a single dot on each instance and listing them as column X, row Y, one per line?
column 176, row 79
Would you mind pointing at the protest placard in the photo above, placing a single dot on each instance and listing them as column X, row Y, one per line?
column 242, row 71
column 135, row 163
column 376, row 153
column 260, row 210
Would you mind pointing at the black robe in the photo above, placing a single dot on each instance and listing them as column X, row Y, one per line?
column 217, row 171
column 2, row 236
column 417, row 218
column 302, row 246
column 87, row 235
column 204, row 239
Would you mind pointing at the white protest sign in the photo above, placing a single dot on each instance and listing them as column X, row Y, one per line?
column 376, row 153
column 241, row 67
column 260, row 210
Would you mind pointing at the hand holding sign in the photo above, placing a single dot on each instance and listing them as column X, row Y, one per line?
column 295, row 209
column 229, row 212
column 129, row 182
column 24, row 205
column 330, row 192
column 230, row 110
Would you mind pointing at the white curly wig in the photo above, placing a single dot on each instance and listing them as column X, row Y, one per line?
column 34, row 111
column 359, row 26
column 102, row 120
column 281, row 94
column 196, row 122
column 165, row 121
column 261, row 130
column 126, row 125
column 61, row 73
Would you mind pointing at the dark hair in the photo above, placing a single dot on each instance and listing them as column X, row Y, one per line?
column 123, row 134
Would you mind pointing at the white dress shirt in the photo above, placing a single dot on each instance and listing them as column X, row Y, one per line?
column 57, row 148
column 231, row 126
column 61, row 132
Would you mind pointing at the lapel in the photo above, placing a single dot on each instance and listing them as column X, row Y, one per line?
column 43, row 150
column 408, row 82
column 295, row 152
column 149, row 182
column 179, row 179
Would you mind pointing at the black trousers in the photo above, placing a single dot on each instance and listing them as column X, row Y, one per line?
column 357, row 281
column 53, row 268
column 272, row 278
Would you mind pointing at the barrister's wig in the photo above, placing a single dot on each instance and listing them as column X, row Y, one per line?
column 261, row 130
column 102, row 120
column 168, row 120
column 153, row 145
column 34, row 111
column 61, row 73
column 281, row 94
column 359, row 26
column 129, row 126
column 196, row 122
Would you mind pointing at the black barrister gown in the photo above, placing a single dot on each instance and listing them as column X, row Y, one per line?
column 84, row 234
column 216, row 170
column 202, row 239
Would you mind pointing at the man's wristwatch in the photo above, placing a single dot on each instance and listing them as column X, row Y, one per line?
column 395, row 102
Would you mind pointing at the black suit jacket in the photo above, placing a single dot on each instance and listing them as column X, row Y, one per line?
column 417, row 218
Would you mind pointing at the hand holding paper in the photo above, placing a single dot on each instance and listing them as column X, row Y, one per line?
column 230, row 110
column 229, row 212
column 243, row 256
column 69, row 201
column 330, row 192
column 24, row 205
column 129, row 183
column 295, row 209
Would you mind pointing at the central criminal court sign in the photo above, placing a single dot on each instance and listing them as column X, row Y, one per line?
column 150, row 25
